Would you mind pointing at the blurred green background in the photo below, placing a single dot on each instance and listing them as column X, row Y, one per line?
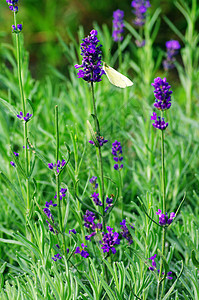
column 43, row 19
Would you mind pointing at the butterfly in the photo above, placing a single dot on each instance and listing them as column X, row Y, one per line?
column 116, row 78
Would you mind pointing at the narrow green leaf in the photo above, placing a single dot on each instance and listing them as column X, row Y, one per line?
column 194, row 260
column 11, row 108
column 174, row 284
column 93, row 135
column 11, row 186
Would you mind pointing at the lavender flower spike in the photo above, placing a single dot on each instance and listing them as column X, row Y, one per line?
column 162, row 93
column 117, row 155
column 159, row 124
column 110, row 239
column 118, row 25
column 13, row 5
column 173, row 47
column 26, row 118
column 140, row 9
column 164, row 219
column 91, row 67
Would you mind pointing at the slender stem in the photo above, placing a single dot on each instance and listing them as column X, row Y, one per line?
column 24, row 113
column 95, row 111
column 163, row 211
column 57, row 178
column 120, row 55
column 120, row 193
column 163, row 171
column 99, row 154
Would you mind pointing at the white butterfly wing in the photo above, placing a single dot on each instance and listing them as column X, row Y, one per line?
column 116, row 78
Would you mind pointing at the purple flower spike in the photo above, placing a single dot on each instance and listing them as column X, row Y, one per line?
column 56, row 257
column 13, row 5
column 164, row 219
column 109, row 240
column 162, row 93
column 16, row 154
column 81, row 251
column 168, row 275
column 159, row 124
column 26, row 118
column 101, row 141
column 59, row 166
column 17, row 29
column 125, row 232
column 152, row 258
column 73, row 231
column 109, row 202
column 12, row 164
column 91, row 63
column 117, row 155
column 62, row 192
column 118, row 25
column 95, row 198
column 139, row 10
column 93, row 182
column 173, row 47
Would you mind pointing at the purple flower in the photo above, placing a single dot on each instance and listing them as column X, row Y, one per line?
column 168, row 275
column 164, row 219
column 81, row 251
column 17, row 29
column 91, row 63
column 117, row 155
column 109, row 202
column 16, row 154
column 56, row 257
column 152, row 258
column 88, row 237
column 12, row 164
column 140, row 44
column 101, row 141
column 62, row 192
column 173, row 47
column 59, row 166
column 13, row 5
column 109, row 240
column 159, row 124
column 153, row 268
column 125, row 232
column 93, row 182
column 95, row 198
column 73, row 231
column 162, row 93
column 140, row 8
column 26, row 118
column 48, row 213
column 89, row 218
column 118, row 25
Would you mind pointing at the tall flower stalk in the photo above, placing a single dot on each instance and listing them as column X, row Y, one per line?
column 118, row 29
column 16, row 29
column 91, row 71
column 162, row 95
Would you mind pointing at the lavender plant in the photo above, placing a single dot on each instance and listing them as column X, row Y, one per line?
column 81, row 247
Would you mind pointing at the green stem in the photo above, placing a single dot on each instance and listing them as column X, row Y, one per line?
column 120, row 193
column 99, row 155
column 57, row 178
column 24, row 113
column 163, row 211
column 120, row 56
